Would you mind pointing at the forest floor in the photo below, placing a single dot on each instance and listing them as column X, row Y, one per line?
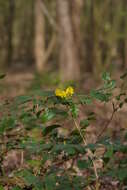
column 15, row 84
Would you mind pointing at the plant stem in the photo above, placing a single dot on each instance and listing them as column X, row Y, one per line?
column 88, row 150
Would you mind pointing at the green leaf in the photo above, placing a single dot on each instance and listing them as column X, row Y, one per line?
column 7, row 123
column 106, row 76
column 71, row 149
column 2, row 76
column 68, row 148
column 50, row 182
column 46, row 157
column 47, row 146
column 83, row 164
column 108, row 82
column 121, row 104
column 59, row 112
column 110, row 85
column 16, row 188
column 119, row 173
column 85, row 99
column 84, row 123
column 100, row 95
column 30, row 179
column 48, row 115
column 22, row 99
column 91, row 116
column 1, row 187
column 28, row 119
column 74, row 110
column 44, row 93
column 65, row 183
column 35, row 147
column 80, row 149
column 109, row 152
column 122, row 174
column 78, row 182
column 34, row 163
column 49, row 129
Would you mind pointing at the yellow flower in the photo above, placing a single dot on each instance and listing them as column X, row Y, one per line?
column 69, row 91
column 57, row 92
column 60, row 93
column 64, row 93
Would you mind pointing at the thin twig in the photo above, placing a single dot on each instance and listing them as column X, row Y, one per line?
column 108, row 123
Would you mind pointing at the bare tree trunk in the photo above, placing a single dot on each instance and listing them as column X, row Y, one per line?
column 125, row 53
column 76, row 8
column 69, row 60
column 10, row 22
column 124, row 40
column 91, row 40
column 39, row 37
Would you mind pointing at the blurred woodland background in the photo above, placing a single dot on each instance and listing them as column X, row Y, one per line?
column 68, row 37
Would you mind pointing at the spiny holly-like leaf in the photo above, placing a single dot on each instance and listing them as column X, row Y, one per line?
column 74, row 110
column 30, row 179
column 119, row 173
column 49, row 129
column 104, row 97
column 110, row 85
column 44, row 93
column 84, row 123
column 22, row 99
column 7, row 123
column 50, row 182
column 106, row 76
column 83, row 164
column 109, row 152
column 48, row 115
column 85, row 99
column 59, row 112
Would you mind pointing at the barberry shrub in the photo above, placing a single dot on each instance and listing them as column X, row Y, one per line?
column 46, row 129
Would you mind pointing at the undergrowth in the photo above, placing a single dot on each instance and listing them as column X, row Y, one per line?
column 39, row 152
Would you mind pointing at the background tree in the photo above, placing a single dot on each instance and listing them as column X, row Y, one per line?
column 39, row 37
column 69, row 59
column 88, row 36
column 10, row 26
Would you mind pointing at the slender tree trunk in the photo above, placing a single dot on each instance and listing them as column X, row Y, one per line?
column 124, row 40
column 39, row 37
column 69, row 60
column 10, row 22
column 125, row 54
column 76, row 7
column 91, row 40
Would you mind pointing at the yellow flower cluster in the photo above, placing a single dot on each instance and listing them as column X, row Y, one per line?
column 64, row 93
